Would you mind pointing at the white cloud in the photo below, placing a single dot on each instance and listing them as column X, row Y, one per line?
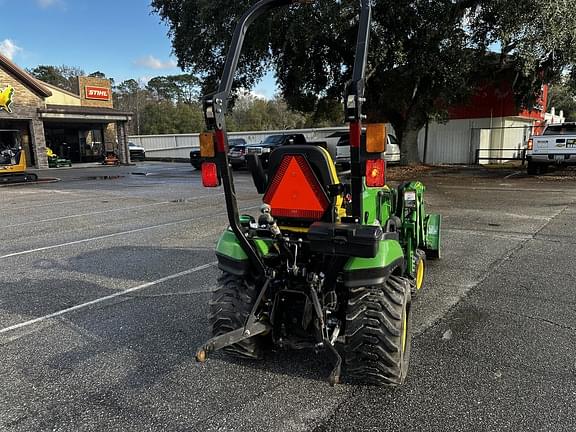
column 252, row 94
column 258, row 95
column 9, row 48
column 143, row 80
column 152, row 62
column 45, row 4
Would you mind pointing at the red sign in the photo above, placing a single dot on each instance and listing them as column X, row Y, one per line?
column 97, row 93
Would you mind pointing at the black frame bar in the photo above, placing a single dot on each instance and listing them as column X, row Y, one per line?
column 355, row 98
column 215, row 107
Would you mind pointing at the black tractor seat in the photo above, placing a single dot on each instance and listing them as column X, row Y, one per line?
column 318, row 158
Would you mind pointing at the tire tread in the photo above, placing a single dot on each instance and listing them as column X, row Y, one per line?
column 372, row 350
column 231, row 303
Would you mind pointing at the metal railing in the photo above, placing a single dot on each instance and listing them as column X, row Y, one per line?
column 519, row 156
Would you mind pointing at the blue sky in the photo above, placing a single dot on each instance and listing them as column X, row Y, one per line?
column 118, row 37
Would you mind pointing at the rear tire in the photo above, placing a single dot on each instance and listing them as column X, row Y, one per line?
column 378, row 333
column 230, row 306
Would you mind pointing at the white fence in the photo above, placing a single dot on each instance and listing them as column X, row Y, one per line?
column 179, row 146
column 458, row 141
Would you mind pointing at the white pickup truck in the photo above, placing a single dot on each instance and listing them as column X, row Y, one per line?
column 556, row 146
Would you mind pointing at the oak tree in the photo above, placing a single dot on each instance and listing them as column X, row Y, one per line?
column 425, row 54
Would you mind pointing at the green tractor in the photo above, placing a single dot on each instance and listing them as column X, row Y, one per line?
column 326, row 265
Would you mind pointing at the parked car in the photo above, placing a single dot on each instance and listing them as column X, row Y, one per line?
column 556, row 146
column 235, row 158
column 195, row 159
column 272, row 142
column 237, row 153
column 332, row 141
column 137, row 152
column 392, row 154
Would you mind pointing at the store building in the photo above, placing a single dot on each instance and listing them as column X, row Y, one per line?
column 80, row 126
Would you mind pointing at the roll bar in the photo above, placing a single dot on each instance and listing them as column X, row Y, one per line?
column 215, row 106
column 354, row 102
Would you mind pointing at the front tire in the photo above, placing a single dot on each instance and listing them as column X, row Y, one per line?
column 230, row 306
column 419, row 274
column 378, row 333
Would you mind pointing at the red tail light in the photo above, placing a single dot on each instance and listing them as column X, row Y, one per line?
column 210, row 175
column 375, row 173
column 530, row 144
column 295, row 192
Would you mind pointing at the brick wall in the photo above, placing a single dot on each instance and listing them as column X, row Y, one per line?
column 96, row 82
column 111, row 137
column 25, row 104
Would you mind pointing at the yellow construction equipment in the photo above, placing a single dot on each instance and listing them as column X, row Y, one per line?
column 13, row 159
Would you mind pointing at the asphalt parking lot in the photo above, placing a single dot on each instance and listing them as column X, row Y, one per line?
column 104, row 290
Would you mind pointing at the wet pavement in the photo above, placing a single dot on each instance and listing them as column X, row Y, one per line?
column 104, row 289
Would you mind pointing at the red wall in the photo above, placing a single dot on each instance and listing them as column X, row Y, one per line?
column 497, row 100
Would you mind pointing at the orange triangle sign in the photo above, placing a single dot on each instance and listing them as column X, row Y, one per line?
column 295, row 191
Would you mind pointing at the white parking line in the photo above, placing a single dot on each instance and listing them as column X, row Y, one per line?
column 103, row 299
column 45, row 248
column 105, row 198
column 40, row 191
column 26, row 252
column 85, row 214
column 57, row 203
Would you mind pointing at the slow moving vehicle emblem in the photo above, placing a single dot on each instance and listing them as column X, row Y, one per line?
column 6, row 98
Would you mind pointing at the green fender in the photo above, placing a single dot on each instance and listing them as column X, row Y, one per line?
column 231, row 256
column 229, row 246
column 433, row 236
column 374, row 271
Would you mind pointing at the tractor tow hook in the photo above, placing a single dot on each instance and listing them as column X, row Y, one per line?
column 231, row 338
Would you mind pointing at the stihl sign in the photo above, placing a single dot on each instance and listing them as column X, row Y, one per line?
column 97, row 93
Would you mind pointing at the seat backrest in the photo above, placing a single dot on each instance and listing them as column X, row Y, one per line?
column 319, row 159
column 304, row 174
